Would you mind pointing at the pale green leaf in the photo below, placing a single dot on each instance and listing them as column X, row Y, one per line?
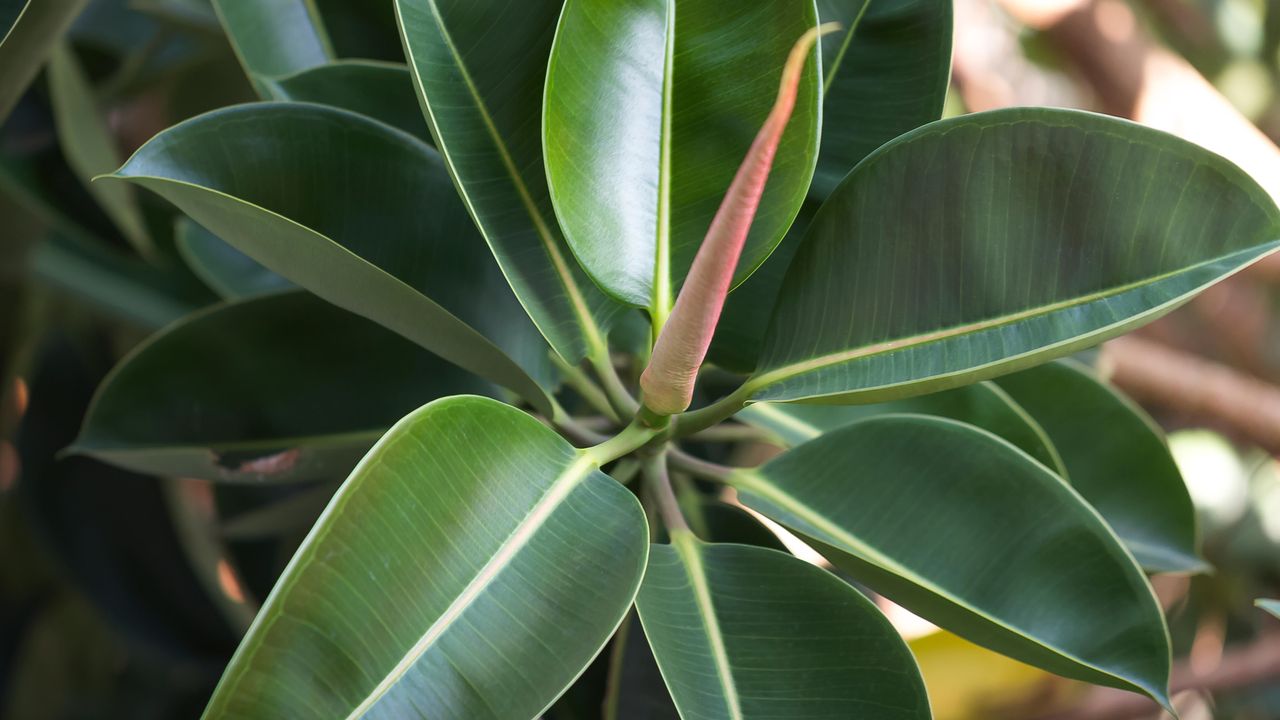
column 470, row 568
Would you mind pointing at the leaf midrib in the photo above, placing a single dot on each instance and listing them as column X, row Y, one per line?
column 750, row 481
column 686, row 546
column 660, row 302
column 786, row 372
column 532, row 522
column 592, row 334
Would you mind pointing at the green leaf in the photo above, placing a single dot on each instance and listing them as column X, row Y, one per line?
column 1271, row 606
column 280, row 388
column 983, row 405
column 470, row 567
column 89, row 147
column 380, row 90
column 886, row 76
column 273, row 38
column 227, row 271
column 1117, row 459
column 479, row 68
column 110, row 283
column 643, row 132
column 992, row 242
column 27, row 35
column 743, row 632
column 970, row 533
column 360, row 214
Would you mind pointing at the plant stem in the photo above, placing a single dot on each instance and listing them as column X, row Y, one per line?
column 632, row 437
column 732, row 433
column 624, row 403
column 613, row 682
column 698, row 467
column 698, row 420
column 655, row 472
column 625, row 471
column 580, row 382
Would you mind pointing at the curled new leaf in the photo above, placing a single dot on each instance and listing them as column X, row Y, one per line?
column 682, row 345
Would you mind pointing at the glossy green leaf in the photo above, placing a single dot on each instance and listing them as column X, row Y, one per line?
column 435, row 583
column 479, row 67
column 1117, row 459
column 650, row 107
column 279, row 388
column 992, row 242
column 742, row 632
column 227, row 271
column 1271, row 606
column 273, row 38
column 381, row 90
column 970, row 533
column 886, row 75
column 983, row 405
column 359, row 213
column 26, row 40
column 89, row 147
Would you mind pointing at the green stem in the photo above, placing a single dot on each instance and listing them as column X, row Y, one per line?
column 626, row 471
column 688, row 423
column 613, row 683
column 698, row 467
column 633, row 437
column 732, row 433
column 580, row 382
column 655, row 473
column 624, row 403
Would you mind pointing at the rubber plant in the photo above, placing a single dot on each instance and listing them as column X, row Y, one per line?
column 607, row 247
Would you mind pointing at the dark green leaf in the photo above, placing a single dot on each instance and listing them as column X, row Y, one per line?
column 1117, row 459
column 35, row 27
column 887, row 75
column 966, row 531
column 742, row 632
column 360, row 214
column 983, row 405
column 480, row 67
column 227, row 271
column 380, row 90
column 273, row 38
column 992, row 242
column 643, row 132
column 469, row 568
column 280, row 388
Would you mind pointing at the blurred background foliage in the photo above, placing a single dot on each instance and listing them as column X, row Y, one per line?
column 122, row 596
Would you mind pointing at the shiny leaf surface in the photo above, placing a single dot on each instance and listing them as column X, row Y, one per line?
column 479, row 68
column 995, row 241
column 314, row 193
column 742, row 632
column 982, row 405
column 650, row 107
column 380, row 90
column 433, row 585
column 1117, row 459
column 966, row 531
column 273, row 38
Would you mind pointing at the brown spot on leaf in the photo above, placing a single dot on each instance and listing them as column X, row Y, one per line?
column 271, row 464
